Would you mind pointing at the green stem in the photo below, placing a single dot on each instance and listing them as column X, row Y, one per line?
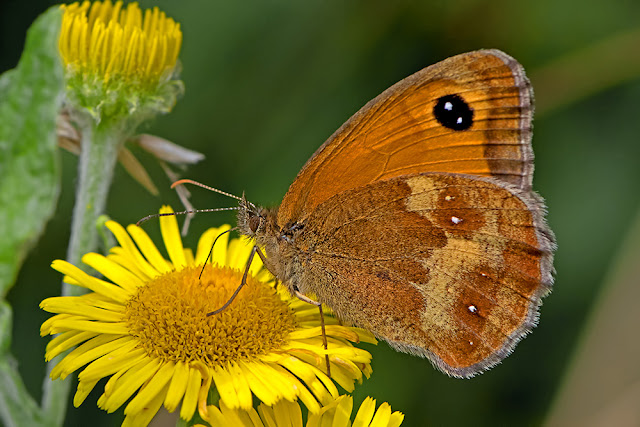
column 100, row 146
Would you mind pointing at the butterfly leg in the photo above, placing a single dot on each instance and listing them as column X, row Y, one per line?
column 211, row 250
column 301, row 297
column 242, row 283
column 308, row 300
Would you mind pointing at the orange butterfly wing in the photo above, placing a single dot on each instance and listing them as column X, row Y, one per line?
column 397, row 133
column 450, row 267
column 417, row 221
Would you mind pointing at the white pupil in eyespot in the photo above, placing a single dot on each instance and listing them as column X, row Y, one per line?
column 448, row 106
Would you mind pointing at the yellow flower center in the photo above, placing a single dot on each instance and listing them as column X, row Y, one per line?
column 105, row 39
column 169, row 316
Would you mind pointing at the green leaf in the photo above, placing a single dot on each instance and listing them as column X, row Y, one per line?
column 30, row 99
column 17, row 406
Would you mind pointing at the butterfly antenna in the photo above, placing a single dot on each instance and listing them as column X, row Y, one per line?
column 215, row 190
column 148, row 217
column 199, row 184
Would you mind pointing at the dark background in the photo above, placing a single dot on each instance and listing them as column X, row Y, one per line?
column 268, row 81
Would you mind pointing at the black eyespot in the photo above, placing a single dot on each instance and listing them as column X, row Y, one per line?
column 453, row 112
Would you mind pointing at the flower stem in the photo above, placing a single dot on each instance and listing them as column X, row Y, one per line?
column 100, row 145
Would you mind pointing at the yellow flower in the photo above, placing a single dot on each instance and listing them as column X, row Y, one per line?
column 147, row 328
column 284, row 413
column 119, row 62
column 117, row 42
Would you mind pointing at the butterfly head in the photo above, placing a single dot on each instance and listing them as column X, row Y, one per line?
column 250, row 219
column 255, row 221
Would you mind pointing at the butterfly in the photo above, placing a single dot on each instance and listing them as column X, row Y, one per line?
column 417, row 220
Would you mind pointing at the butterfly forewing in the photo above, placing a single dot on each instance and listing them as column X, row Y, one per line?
column 413, row 127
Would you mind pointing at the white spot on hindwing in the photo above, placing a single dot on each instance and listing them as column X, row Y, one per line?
column 463, row 256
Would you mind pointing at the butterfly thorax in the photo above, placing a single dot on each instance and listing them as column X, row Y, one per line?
column 278, row 244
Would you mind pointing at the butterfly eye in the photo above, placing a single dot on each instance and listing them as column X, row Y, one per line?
column 453, row 112
column 254, row 223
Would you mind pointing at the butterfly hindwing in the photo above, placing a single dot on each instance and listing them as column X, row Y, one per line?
column 451, row 267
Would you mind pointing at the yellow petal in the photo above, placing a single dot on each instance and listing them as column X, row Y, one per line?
column 345, row 372
column 325, row 416
column 312, row 377
column 215, row 416
column 281, row 388
column 177, row 386
column 171, row 238
column 365, row 413
column 96, row 300
column 65, row 341
column 382, row 416
column 130, row 248
column 331, row 330
column 113, row 271
column 150, row 251
column 234, row 417
column 396, row 419
column 115, row 328
column 96, row 285
column 255, row 420
column 94, row 348
column 343, row 410
column 238, row 255
column 120, row 257
column 84, row 389
column 190, row 401
column 130, row 382
column 224, row 384
column 188, row 256
column 365, row 336
column 287, row 414
column 151, row 389
column 118, row 360
column 304, row 394
column 267, row 415
column 77, row 306
column 259, row 386
column 49, row 325
column 241, row 386
column 146, row 414
column 205, row 244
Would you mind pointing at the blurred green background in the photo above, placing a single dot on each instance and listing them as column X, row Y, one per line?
column 268, row 81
